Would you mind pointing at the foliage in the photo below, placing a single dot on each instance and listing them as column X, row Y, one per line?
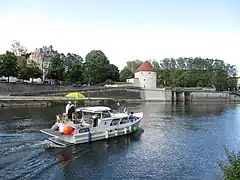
column 189, row 72
column 29, row 70
column 18, row 49
column 74, row 68
column 56, row 69
column 98, row 68
column 129, row 70
column 231, row 169
column 8, row 64
column 125, row 74
column 197, row 72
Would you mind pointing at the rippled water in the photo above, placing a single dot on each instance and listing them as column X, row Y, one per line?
column 179, row 142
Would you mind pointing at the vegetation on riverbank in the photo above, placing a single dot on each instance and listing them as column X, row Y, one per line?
column 230, row 168
column 97, row 69
column 189, row 72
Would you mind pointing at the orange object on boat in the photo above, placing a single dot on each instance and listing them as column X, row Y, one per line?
column 68, row 130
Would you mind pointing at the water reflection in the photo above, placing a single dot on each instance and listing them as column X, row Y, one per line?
column 180, row 141
column 98, row 154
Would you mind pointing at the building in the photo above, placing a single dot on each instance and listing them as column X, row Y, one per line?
column 144, row 77
column 42, row 56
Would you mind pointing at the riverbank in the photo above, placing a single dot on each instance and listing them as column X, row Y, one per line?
column 51, row 101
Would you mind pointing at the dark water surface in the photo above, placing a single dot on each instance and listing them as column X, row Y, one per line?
column 179, row 142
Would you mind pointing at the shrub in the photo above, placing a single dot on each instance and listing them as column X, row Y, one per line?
column 231, row 168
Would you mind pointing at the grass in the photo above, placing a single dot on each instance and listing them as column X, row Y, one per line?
column 231, row 168
column 116, row 83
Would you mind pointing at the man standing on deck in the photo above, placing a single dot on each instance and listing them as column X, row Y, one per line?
column 68, row 106
column 71, row 112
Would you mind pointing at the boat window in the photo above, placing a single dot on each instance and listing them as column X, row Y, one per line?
column 87, row 115
column 79, row 114
column 124, row 120
column 84, row 130
column 115, row 122
column 106, row 114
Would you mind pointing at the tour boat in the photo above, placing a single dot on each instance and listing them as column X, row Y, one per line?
column 92, row 124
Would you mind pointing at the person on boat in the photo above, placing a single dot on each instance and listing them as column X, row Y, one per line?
column 71, row 112
column 68, row 107
column 131, row 116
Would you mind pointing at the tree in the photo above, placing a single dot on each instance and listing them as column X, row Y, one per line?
column 34, row 70
column 18, row 49
column 113, row 72
column 197, row 72
column 8, row 65
column 56, row 68
column 74, row 68
column 97, row 66
column 126, row 74
column 133, row 65
column 129, row 70
column 29, row 70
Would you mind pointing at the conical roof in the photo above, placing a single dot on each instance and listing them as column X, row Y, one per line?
column 146, row 66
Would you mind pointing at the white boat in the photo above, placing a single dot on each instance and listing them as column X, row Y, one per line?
column 92, row 124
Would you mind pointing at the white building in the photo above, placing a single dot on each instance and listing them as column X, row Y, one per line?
column 43, row 56
column 144, row 77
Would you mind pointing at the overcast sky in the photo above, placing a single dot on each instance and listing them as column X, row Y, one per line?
column 125, row 29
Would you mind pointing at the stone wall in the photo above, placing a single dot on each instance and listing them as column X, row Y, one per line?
column 12, row 88
column 209, row 96
column 157, row 94
column 113, row 93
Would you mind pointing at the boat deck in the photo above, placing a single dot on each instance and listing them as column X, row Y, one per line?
column 60, row 142
column 58, row 138
column 52, row 132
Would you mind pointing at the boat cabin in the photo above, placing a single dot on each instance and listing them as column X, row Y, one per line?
column 100, row 116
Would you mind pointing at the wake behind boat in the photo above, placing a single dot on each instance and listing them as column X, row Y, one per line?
column 92, row 124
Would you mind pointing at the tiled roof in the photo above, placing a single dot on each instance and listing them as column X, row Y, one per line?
column 146, row 66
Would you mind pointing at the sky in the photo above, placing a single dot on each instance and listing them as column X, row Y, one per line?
column 125, row 30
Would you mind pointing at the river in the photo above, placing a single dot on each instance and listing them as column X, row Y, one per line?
column 179, row 142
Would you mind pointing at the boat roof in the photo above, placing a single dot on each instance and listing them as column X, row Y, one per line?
column 93, row 109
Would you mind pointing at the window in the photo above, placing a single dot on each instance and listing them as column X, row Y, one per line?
column 106, row 114
column 87, row 115
column 115, row 122
column 149, row 72
column 124, row 120
column 144, row 79
column 84, row 130
column 105, row 123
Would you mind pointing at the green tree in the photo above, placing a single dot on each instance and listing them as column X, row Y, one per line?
column 56, row 68
column 97, row 66
column 129, row 70
column 126, row 74
column 18, row 49
column 197, row 72
column 8, row 65
column 29, row 70
column 133, row 65
column 113, row 73
column 74, row 68
column 34, row 70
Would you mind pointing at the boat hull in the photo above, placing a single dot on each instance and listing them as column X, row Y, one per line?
column 79, row 138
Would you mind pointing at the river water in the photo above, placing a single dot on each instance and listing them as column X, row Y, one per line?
column 179, row 142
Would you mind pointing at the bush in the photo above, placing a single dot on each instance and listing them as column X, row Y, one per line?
column 231, row 168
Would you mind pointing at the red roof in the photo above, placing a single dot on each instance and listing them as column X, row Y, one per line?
column 146, row 66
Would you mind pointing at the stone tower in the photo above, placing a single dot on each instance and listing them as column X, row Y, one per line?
column 147, row 77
